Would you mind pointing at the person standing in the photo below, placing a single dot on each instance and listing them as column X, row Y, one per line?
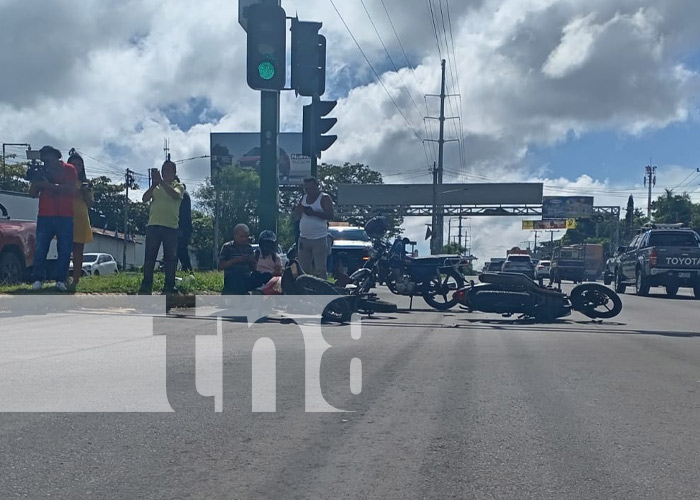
column 55, row 186
column 82, row 201
column 165, row 195
column 184, row 230
column 313, row 212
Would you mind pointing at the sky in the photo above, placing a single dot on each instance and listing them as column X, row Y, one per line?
column 579, row 95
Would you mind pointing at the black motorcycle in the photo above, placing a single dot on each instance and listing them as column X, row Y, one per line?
column 350, row 299
column 434, row 278
column 510, row 293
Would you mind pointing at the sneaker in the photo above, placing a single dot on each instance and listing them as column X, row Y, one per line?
column 37, row 285
column 61, row 286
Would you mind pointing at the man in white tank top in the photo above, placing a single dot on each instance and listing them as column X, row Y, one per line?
column 313, row 212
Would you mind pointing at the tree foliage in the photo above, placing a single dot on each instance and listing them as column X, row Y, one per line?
column 108, row 209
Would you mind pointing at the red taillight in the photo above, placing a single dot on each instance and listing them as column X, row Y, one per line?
column 459, row 295
column 653, row 257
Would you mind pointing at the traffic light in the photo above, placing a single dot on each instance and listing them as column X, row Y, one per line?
column 267, row 46
column 308, row 59
column 313, row 140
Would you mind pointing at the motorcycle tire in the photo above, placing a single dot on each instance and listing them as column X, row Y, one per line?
column 448, row 304
column 591, row 299
column 376, row 306
column 338, row 310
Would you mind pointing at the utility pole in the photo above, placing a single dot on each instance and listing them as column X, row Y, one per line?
column 650, row 181
column 433, row 236
column 438, row 222
column 535, row 240
column 166, row 149
column 441, row 159
column 129, row 182
column 459, row 246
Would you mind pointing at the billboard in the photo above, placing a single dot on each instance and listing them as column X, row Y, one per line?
column 567, row 207
column 243, row 150
column 447, row 194
column 549, row 224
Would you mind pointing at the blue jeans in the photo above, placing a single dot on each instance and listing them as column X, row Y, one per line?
column 46, row 229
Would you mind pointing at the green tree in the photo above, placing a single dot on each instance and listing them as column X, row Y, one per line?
column 14, row 176
column 108, row 209
column 673, row 208
column 238, row 201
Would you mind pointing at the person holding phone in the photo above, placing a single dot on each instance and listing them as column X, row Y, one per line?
column 165, row 196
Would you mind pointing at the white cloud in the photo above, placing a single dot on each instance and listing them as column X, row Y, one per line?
column 111, row 79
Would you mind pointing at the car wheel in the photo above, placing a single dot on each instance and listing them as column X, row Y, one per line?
column 11, row 268
column 672, row 290
column 620, row 287
column 641, row 284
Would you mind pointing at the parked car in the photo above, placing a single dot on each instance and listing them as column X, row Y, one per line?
column 542, row 269
column 98, row 264
column 665, row 255
column 519, row 263
column 17, row 243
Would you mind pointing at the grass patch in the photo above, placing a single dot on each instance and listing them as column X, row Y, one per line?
column 202, row 283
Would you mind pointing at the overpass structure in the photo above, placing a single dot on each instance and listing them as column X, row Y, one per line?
column 466, row 200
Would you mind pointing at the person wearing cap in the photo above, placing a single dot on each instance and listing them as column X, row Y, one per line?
column 55, row 189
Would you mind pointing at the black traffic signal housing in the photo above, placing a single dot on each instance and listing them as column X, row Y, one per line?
column 308, row 59
column 315, row 125
column 267, row 47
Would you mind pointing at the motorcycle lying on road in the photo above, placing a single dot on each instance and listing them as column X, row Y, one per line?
column 510, row 293
column 350, row 299
column 434, row 278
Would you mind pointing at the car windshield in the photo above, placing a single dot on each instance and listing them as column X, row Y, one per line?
column 90, row 257
column 673, row 239
column 545, row 263
column 349, row 234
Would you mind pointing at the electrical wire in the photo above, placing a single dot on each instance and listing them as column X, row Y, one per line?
column 375, row 72
column 396, row 69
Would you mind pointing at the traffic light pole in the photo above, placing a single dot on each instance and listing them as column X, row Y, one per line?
column 269, row 151
column 314, row 160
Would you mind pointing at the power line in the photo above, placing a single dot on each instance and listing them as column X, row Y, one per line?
column 459, row 89
column 396, row 69
column 451, row 65
column 375, row 71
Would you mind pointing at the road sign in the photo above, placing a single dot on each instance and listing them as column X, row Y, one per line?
column 567, row 207
column 530, row 225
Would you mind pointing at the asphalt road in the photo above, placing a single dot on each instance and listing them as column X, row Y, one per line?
column 453, row 405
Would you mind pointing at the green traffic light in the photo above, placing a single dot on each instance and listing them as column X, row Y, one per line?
column 266, row 70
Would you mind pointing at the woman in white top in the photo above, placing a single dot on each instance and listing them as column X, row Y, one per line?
column 269, row 262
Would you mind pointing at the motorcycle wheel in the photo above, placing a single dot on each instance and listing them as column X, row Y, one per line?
column 595, row 301
column 376, row 306
column 443, row 288
column 337, row 310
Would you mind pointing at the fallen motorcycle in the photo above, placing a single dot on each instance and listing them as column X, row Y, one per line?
column 350, row 300
column 510, row 293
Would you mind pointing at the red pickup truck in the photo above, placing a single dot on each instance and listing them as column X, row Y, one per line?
column 17, row 243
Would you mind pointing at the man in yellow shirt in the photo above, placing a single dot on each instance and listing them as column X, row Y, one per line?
column 165, row 195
